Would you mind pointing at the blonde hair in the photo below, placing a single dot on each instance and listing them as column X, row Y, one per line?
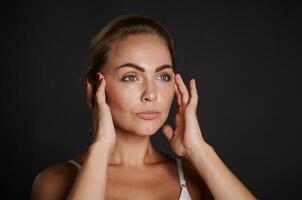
column 117, row 29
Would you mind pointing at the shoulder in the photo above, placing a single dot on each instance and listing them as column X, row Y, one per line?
column 54, row 182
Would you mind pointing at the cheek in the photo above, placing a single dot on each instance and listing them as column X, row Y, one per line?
column 120, row 98
column 167, row 94
column 123, row 98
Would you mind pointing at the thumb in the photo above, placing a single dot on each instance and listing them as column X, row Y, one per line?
column 168, row 131
column 100, row 89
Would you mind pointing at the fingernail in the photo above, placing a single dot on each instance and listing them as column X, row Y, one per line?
column 99, row 82
column 97, row 76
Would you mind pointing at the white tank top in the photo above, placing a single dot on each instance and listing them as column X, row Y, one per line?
column 184, row 195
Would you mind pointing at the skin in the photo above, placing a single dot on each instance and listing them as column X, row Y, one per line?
column 129, row 91
column 121, row 151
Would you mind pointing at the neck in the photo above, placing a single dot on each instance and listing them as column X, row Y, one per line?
column 132, row 150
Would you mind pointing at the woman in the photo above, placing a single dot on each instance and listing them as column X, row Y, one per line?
column 130, row 83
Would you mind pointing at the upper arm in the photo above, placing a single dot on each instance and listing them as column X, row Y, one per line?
column 53, row 183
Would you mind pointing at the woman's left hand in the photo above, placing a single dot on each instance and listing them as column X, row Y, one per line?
column 187, row 134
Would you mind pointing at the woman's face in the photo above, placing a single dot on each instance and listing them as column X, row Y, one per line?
column 139, row 78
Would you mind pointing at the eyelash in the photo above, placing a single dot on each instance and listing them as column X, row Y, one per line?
column 132, row 75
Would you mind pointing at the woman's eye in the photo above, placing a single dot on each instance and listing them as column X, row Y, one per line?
column 130, row 78
column 165, row 77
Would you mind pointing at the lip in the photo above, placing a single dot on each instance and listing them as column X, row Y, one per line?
column 148, row 115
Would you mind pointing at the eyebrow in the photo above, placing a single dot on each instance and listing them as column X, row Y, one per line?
column 135, row 66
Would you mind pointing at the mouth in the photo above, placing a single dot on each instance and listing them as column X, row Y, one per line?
column 148, row 115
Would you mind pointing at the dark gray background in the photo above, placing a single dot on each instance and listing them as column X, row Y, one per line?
column 244, row 56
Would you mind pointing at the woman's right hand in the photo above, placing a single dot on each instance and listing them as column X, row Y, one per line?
column 102, row 125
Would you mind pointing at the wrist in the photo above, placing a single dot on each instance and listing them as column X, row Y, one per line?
column 100, row 148
column 198, row 150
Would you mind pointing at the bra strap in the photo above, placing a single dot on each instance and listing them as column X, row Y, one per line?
column 180, row 173
column 75, row 163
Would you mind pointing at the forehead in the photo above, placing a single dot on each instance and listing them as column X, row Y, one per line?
column 146, row 50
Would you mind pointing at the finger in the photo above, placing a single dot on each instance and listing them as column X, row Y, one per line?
column 178, row 97
column 193, row 93
column 100, row 90
column 89, row 94
column 168, row 131
column 182, row 89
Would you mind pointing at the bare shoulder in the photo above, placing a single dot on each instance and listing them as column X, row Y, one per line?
column 54, row 182
column 196, row 184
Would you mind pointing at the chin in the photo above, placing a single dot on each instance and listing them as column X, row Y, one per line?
column 149, row 127
column 139, row 126
column 145, row 128
column 142, row 128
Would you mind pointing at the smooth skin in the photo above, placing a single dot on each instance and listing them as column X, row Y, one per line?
column 121, row 162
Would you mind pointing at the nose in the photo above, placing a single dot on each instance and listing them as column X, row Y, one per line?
column 149, row 92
